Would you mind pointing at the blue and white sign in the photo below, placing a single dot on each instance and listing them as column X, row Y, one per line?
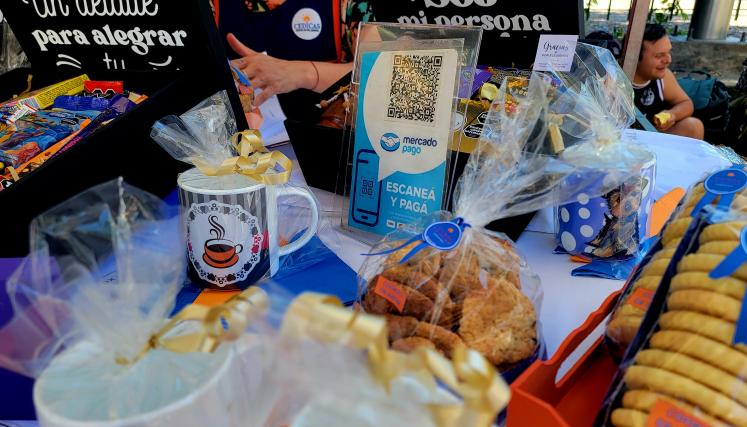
column 402, row 137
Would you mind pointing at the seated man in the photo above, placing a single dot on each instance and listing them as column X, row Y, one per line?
column 657, row 93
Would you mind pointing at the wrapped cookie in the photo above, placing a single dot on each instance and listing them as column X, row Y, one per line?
column 101, row 279
column 314, row 362
column 450, row 281
column 725, row 190
column 692, row 356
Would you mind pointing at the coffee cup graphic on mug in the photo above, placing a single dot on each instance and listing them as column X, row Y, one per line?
column 219, row 252
column 231, row 227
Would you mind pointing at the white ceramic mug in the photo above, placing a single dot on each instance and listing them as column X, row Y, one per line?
column 231, row 224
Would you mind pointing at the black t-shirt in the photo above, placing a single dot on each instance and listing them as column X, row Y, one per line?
column 649, row 98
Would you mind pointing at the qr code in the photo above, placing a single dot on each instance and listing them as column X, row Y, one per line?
column 414, row 89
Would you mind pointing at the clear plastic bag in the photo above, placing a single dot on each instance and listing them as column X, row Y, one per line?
column 594, row 106
column 689, row 359
column 11, row 53
column 101, row 279
column 451, row 281
column 628, row 314
column 313, row 362
column 244, row 216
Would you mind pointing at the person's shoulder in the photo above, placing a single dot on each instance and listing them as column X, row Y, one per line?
column 669, row 76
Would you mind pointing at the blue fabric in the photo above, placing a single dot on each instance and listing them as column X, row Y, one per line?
column 322, row 271
column 15, row 390
column 615, row 269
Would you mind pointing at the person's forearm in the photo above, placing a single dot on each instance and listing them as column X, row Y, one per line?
column 682, row 110
column 329, row 73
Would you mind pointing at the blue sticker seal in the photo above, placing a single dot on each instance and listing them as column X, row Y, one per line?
column 442, row 235
column 724, row 184
column 726, row 268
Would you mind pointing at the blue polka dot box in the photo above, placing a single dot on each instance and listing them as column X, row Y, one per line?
column 610, row 226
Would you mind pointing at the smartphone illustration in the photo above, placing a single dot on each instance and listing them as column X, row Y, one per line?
column 367, row 190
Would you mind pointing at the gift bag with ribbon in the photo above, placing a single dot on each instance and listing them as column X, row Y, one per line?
column 232, row 199
column 313, row 362
column 593, row 107
column 88, row 304
column 451, row 281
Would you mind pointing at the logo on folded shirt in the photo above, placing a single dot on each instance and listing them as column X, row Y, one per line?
column 307, row 24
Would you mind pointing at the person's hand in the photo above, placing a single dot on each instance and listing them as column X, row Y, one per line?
column 272, row 75
column 664, row 120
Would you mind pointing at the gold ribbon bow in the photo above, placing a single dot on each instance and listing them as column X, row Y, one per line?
column 469, row 374
column 253, row 161
column 211, row 326
column 323, row 318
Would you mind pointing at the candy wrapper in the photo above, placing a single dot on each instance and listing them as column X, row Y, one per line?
column 687, row 363
column 100, row 281
column 628, row 315
column 595, row 103
column 452, row 282
column 231, row 200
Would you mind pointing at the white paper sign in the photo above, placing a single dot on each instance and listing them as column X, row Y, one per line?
column 555, row 52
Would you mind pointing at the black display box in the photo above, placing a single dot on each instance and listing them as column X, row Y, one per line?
column 123, row 147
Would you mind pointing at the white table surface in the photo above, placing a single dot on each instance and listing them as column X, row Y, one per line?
column 568, row 300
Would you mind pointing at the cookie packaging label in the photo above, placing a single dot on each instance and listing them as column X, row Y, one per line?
column 725, row 184
column 391, row 292
column 641, row 298
column 665, row 414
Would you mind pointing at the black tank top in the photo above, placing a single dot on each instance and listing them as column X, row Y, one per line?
column 649, row 98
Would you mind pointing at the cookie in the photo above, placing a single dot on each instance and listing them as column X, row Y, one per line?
column 655, row 268
column 699, row 347
column 724, row 231
column 647, row 282
column 630, row 310
column 405, row 327
column 665, row 253
column 499, row 322
column 718, row 247
column 622, row 329
column 460, row 273
column 705, row 302
column 443, row 309
column 622, row 417
column 415, row 303
column 710, row 401
column 672, row 244
column 676, row 229
column 698, row 323
column 705, row 263
column 426, row 261
column 410, row 344
column 730, row 286
column 644, row 401
column 696, row 370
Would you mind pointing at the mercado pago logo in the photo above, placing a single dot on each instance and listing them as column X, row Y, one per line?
column 389, row 142
column 410, row 145
column 307, row 24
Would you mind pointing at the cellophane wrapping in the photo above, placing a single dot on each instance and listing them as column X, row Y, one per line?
column 312, row 367
column 101, row 279
column 690, row 358
column 628, row 314
column 482, row 293
column 203, row 137
column 593, row 108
